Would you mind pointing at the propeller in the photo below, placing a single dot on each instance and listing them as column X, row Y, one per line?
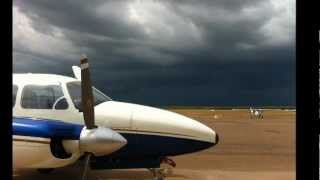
column 94, row 140
column 86, row 94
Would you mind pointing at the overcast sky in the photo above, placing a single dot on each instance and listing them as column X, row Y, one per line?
column 214, row 52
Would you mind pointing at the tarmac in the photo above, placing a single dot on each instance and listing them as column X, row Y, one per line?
column 248, row 149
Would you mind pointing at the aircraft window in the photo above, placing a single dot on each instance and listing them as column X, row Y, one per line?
column 61, row 103
column 74, row 89
column 14, row 94
column 43, row 97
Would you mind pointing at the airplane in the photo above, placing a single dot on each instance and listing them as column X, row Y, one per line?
column 59, row 120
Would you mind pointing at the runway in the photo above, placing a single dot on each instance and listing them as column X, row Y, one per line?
column 248, row 149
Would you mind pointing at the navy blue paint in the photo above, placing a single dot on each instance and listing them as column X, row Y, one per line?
column 45, row 128
column 143, row 145
column 144, row 151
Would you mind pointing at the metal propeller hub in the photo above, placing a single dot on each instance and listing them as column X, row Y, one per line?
column 100, row 141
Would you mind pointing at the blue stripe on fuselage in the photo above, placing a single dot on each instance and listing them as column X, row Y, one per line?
column 45, row 128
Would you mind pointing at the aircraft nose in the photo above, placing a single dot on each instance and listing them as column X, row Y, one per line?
column 217, row 138
column 205, row 133
column 204, row 137
column 173, row 124
column 213, row 136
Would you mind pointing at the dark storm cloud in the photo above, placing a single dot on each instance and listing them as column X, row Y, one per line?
column 82, row 17
column 164, row 52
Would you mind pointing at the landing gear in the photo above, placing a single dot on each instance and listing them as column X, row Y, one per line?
column 157, row 173
column 45, row 170
column 164, row 170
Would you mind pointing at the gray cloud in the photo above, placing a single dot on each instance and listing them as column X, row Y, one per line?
column 165, row 52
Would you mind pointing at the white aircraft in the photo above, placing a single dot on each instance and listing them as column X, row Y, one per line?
column 115, row 135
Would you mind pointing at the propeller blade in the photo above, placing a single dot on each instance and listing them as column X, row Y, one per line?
column 86, row 94
column 86, row 166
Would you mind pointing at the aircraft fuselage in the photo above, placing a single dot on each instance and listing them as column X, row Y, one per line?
column 151, row 133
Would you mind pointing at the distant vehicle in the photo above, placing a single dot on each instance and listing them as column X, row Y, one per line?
column 256, row 113
column 59, row 120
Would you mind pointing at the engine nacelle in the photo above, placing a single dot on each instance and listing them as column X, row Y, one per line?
column 30, row 152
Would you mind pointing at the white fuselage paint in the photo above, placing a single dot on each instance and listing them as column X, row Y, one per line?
column 35, row 152
column 119, row 116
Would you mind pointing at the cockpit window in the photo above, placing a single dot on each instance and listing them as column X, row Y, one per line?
column 14, row 94
column 43, row 97
column 74, row 89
